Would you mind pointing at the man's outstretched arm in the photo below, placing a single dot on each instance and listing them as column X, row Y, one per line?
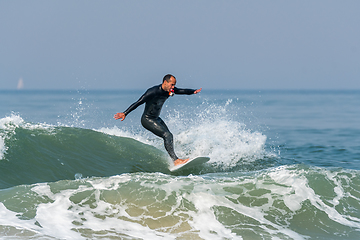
column 186, row 91
column 132, row 107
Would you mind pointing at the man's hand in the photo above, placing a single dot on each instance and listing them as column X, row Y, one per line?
column 120, row 116
column 197, row 91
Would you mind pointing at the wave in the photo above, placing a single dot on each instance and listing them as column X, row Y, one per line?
column 66, row 182
column 33, row 153
column 287, row 202
column 39, row 152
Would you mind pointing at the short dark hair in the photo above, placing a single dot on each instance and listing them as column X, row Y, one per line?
column 167, row 77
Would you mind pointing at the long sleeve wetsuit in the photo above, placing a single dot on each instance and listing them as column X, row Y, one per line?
column 154, row 99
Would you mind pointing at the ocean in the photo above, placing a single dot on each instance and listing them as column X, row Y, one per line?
column 283, row 165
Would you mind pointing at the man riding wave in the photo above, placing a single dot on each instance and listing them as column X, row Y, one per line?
column 154, row 98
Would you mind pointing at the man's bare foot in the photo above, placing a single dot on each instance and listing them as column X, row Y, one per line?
column 180, row 161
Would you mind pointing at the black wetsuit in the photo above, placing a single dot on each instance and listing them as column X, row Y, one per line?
column 154, row 99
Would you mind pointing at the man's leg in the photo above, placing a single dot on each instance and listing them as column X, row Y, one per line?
column 159, row 128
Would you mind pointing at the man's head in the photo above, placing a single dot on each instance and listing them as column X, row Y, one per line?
column 169, row 82
column 167, row 77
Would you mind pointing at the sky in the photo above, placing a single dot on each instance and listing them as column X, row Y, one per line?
column 233, row 44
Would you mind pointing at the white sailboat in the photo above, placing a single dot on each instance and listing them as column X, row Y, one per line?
column 20, row 84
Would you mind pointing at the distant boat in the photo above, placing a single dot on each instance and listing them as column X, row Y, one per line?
column 20, row 84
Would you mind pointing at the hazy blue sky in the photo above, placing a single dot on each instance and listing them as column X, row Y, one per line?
column 204, row 43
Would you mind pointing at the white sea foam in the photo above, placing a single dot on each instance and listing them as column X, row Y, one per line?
column 7, row 128
column 9, row 218
column 225, row 142
column 139, row 136
column 262, row 205
column 214, row 133
column 297, row 191
column 294, row 188
column 3, row 148
column 9, row 124
column 60, row 217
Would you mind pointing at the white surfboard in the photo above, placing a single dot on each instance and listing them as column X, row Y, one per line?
column 189, row 164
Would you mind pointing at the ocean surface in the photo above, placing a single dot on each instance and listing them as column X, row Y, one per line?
column 284, row 165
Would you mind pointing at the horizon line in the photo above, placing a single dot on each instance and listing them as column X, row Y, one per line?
column 206, row 89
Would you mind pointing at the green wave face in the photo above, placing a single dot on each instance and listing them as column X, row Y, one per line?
column 43, row 155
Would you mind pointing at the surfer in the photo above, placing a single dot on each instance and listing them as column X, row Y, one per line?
column 154, row 99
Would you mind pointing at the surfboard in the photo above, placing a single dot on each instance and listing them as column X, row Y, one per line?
column 189, row 164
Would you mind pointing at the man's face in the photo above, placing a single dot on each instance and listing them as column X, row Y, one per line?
column 168, row 86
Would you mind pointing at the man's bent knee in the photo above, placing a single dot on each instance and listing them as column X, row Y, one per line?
column 168, row 136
